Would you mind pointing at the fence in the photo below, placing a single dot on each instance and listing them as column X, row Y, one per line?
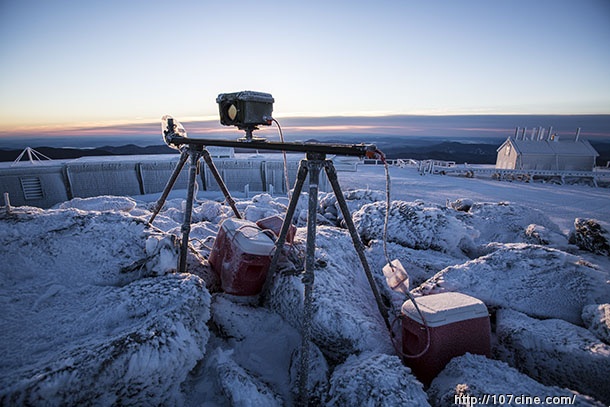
column 47, row 183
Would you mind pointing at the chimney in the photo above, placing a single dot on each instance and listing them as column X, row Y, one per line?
column 577, row 134
column 516, row 133
column 523, row 134
column 550, row 136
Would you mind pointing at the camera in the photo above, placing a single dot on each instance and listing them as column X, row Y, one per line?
column 246, row 109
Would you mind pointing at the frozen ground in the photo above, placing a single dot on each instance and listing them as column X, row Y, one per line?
column 94, row 313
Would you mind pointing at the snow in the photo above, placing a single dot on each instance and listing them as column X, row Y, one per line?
column 554, row 351
column 372, row 379
column 93, row 311
column 477, row 376
column 345, row 317
column 597, row 318
column 540, row 281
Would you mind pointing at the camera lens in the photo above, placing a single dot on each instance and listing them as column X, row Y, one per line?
column 232, row 112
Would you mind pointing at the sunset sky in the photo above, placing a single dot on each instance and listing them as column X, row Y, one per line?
column 106, row 63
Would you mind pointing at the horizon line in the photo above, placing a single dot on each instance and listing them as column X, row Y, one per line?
column 100, row 125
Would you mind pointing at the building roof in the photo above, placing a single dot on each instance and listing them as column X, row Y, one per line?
column 552, row 147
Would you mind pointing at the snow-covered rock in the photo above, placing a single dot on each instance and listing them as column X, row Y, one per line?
column 537, row 234
column 103, row 203
column 462, row 204
column 537, row 280
column 597, row 320
column 476, row 380
column 589, row 235
column 554, row 352
column 345, row 316
column 354, row 198
column 103, row 345
column 107, row 248
column 261, row 206
column 371, row 379
column 91, row 313
column 505, row 222
column 415, row 225
column 229, row 381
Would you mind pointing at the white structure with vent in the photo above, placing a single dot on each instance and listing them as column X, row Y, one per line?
column 540, row 152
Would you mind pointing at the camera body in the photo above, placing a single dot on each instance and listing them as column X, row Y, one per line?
column 246, row 109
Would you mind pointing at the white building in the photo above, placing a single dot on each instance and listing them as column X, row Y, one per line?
column 538, row 152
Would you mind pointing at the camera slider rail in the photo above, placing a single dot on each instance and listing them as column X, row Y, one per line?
column 358, row 150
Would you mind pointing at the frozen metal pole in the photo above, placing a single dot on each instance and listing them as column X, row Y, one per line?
column 331, row 172
column 184, row 155
column 223, row 187
column 7, row 202
column 195, row 153
column 279, row 244
column 315, row 162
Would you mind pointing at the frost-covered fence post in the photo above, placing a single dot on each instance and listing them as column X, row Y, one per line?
column 7, row 202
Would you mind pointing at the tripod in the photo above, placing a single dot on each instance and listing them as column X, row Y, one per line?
column 195, row 152
column 312, row 165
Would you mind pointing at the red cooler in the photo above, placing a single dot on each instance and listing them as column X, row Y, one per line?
column 240, row 256
column 274, row 223
column 458, row 324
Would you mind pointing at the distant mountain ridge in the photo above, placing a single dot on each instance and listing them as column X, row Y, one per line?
column 473, row 153
column 71, row 153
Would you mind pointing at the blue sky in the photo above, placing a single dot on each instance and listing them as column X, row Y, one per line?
column 67, row 63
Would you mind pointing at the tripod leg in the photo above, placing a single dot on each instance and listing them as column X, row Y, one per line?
column 208, row 160
column 188, row 211
column 279, row 244
column 169, row 186
column 332, row 177
column 314, row 177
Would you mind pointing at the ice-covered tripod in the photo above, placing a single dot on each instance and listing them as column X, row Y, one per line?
column 315, row 160
column 195, row 152
column 312, row 165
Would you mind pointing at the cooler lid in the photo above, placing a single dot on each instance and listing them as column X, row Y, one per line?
column 248, row 237
column 445, row 308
